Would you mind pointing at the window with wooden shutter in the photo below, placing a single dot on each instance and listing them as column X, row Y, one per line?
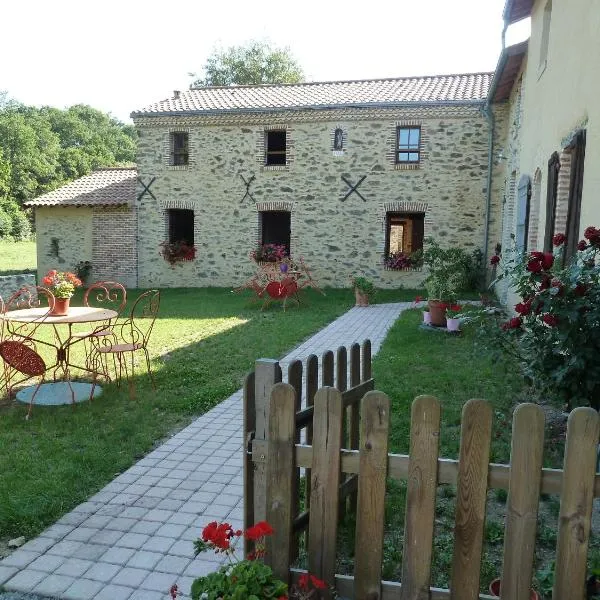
column 180, row 154
column 551, row 192
column 575, row 193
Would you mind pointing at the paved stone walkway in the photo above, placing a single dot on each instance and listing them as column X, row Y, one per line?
column 133, row 539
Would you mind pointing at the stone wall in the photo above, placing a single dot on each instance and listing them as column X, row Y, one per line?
column 337, row 238
column 9, row 284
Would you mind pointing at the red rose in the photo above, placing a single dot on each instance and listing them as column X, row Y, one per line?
column 581, row 246
column 537, row 255
column 534, row 266
column 547, row 260
column 549, row 319
column 523, row 308
column 559, row 239
column 495, row 259
column 593, row 235
column 514, row 323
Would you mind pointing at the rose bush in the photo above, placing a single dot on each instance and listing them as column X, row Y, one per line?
column 554, row 335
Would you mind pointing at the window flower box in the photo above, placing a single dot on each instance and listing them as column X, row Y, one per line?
column 174, row 252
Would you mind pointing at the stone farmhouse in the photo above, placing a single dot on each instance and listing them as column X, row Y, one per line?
column 345, row 173
column 550, row 87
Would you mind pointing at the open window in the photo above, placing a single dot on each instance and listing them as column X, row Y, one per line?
column 181, row 226
column 275, row 226
column 404, row 233
column 275, row 147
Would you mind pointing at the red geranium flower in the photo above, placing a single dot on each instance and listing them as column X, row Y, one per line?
column 260, row 530
column 559, row 239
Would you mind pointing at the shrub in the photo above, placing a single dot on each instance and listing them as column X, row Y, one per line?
column 554, row 333
column 448, row 271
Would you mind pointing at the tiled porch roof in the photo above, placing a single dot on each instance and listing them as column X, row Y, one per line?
column 114, row 186
column 516, row 10
column 463, row 88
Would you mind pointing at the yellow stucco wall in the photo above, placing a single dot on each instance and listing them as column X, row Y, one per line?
column 72, row 228
column 563, row 95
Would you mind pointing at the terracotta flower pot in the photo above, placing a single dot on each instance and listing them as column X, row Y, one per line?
column 438, row 312
column 361, row 298
column 61, row 307
column 495, row 590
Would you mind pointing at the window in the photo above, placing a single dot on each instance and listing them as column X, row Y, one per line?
column 275, row 143
column 523, row 209
column 545, row 35
column 408, row 149
column 180, row 154
column 551, row 193
column 181, row 226
column 404, row 233
column 577, row 151
column 275, row 227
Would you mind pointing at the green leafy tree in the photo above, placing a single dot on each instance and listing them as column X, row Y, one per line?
column 250, row 64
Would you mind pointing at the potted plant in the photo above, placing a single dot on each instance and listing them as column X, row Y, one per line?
column 452, row 317
column 174, row 252
column 426, row 316
column 447, row 270
column 364, row 290
column 62, row 285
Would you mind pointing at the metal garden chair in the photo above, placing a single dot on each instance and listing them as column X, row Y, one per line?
column 129, row 337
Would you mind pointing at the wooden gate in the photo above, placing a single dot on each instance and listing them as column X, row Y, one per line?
column 330, row 460
column 349, row 371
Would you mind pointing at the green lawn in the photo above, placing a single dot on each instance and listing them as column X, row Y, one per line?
column 203, row 344
column 17, row 257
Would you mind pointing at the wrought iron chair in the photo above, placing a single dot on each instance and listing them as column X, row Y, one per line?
column 104, row 294
column 130, row 337
column 18, row 351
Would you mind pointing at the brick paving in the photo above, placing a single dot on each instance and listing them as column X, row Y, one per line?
column 133, row 539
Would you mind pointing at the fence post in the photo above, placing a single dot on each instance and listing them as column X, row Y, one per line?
column 280, row 473
column 420, row 498
column 370, row 516
column 574, row 519
column 325, row 485
column 354, row 422
column 526, row 462
column 267, row 374
column 249, row 431
column 312, row 384
column 471, row 495
column 295, row 380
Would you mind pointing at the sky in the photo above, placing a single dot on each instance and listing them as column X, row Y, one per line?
column 122, row 55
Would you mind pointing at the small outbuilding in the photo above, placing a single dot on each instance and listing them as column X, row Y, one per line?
column 90, row 219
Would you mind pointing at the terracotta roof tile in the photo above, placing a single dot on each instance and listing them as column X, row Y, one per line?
column 430, row 89
column 105, row 187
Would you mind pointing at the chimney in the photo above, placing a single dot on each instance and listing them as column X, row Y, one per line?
column 176, row 94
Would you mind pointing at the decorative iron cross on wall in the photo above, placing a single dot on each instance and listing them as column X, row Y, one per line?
column 247, row 183
column 354, row 188
column 146, row 189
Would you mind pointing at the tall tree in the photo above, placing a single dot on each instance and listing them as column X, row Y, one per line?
column 251, row 64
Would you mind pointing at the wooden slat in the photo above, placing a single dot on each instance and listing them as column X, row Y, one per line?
column 366, row 360
column 280, row 478
column 574, row 519
column 312, row 384
column 354, row 413
column 267, row 374
column 325, row 481
column 295, row 380
column 341, row 368
column 248, row 433
column 368, row 553
column 523, row 499
column 498, row 475
column 471, row 492
column 420, row 498
column 354, row 365
column 327, row 373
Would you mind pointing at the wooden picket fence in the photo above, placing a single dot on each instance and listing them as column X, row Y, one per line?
column 337, row 468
